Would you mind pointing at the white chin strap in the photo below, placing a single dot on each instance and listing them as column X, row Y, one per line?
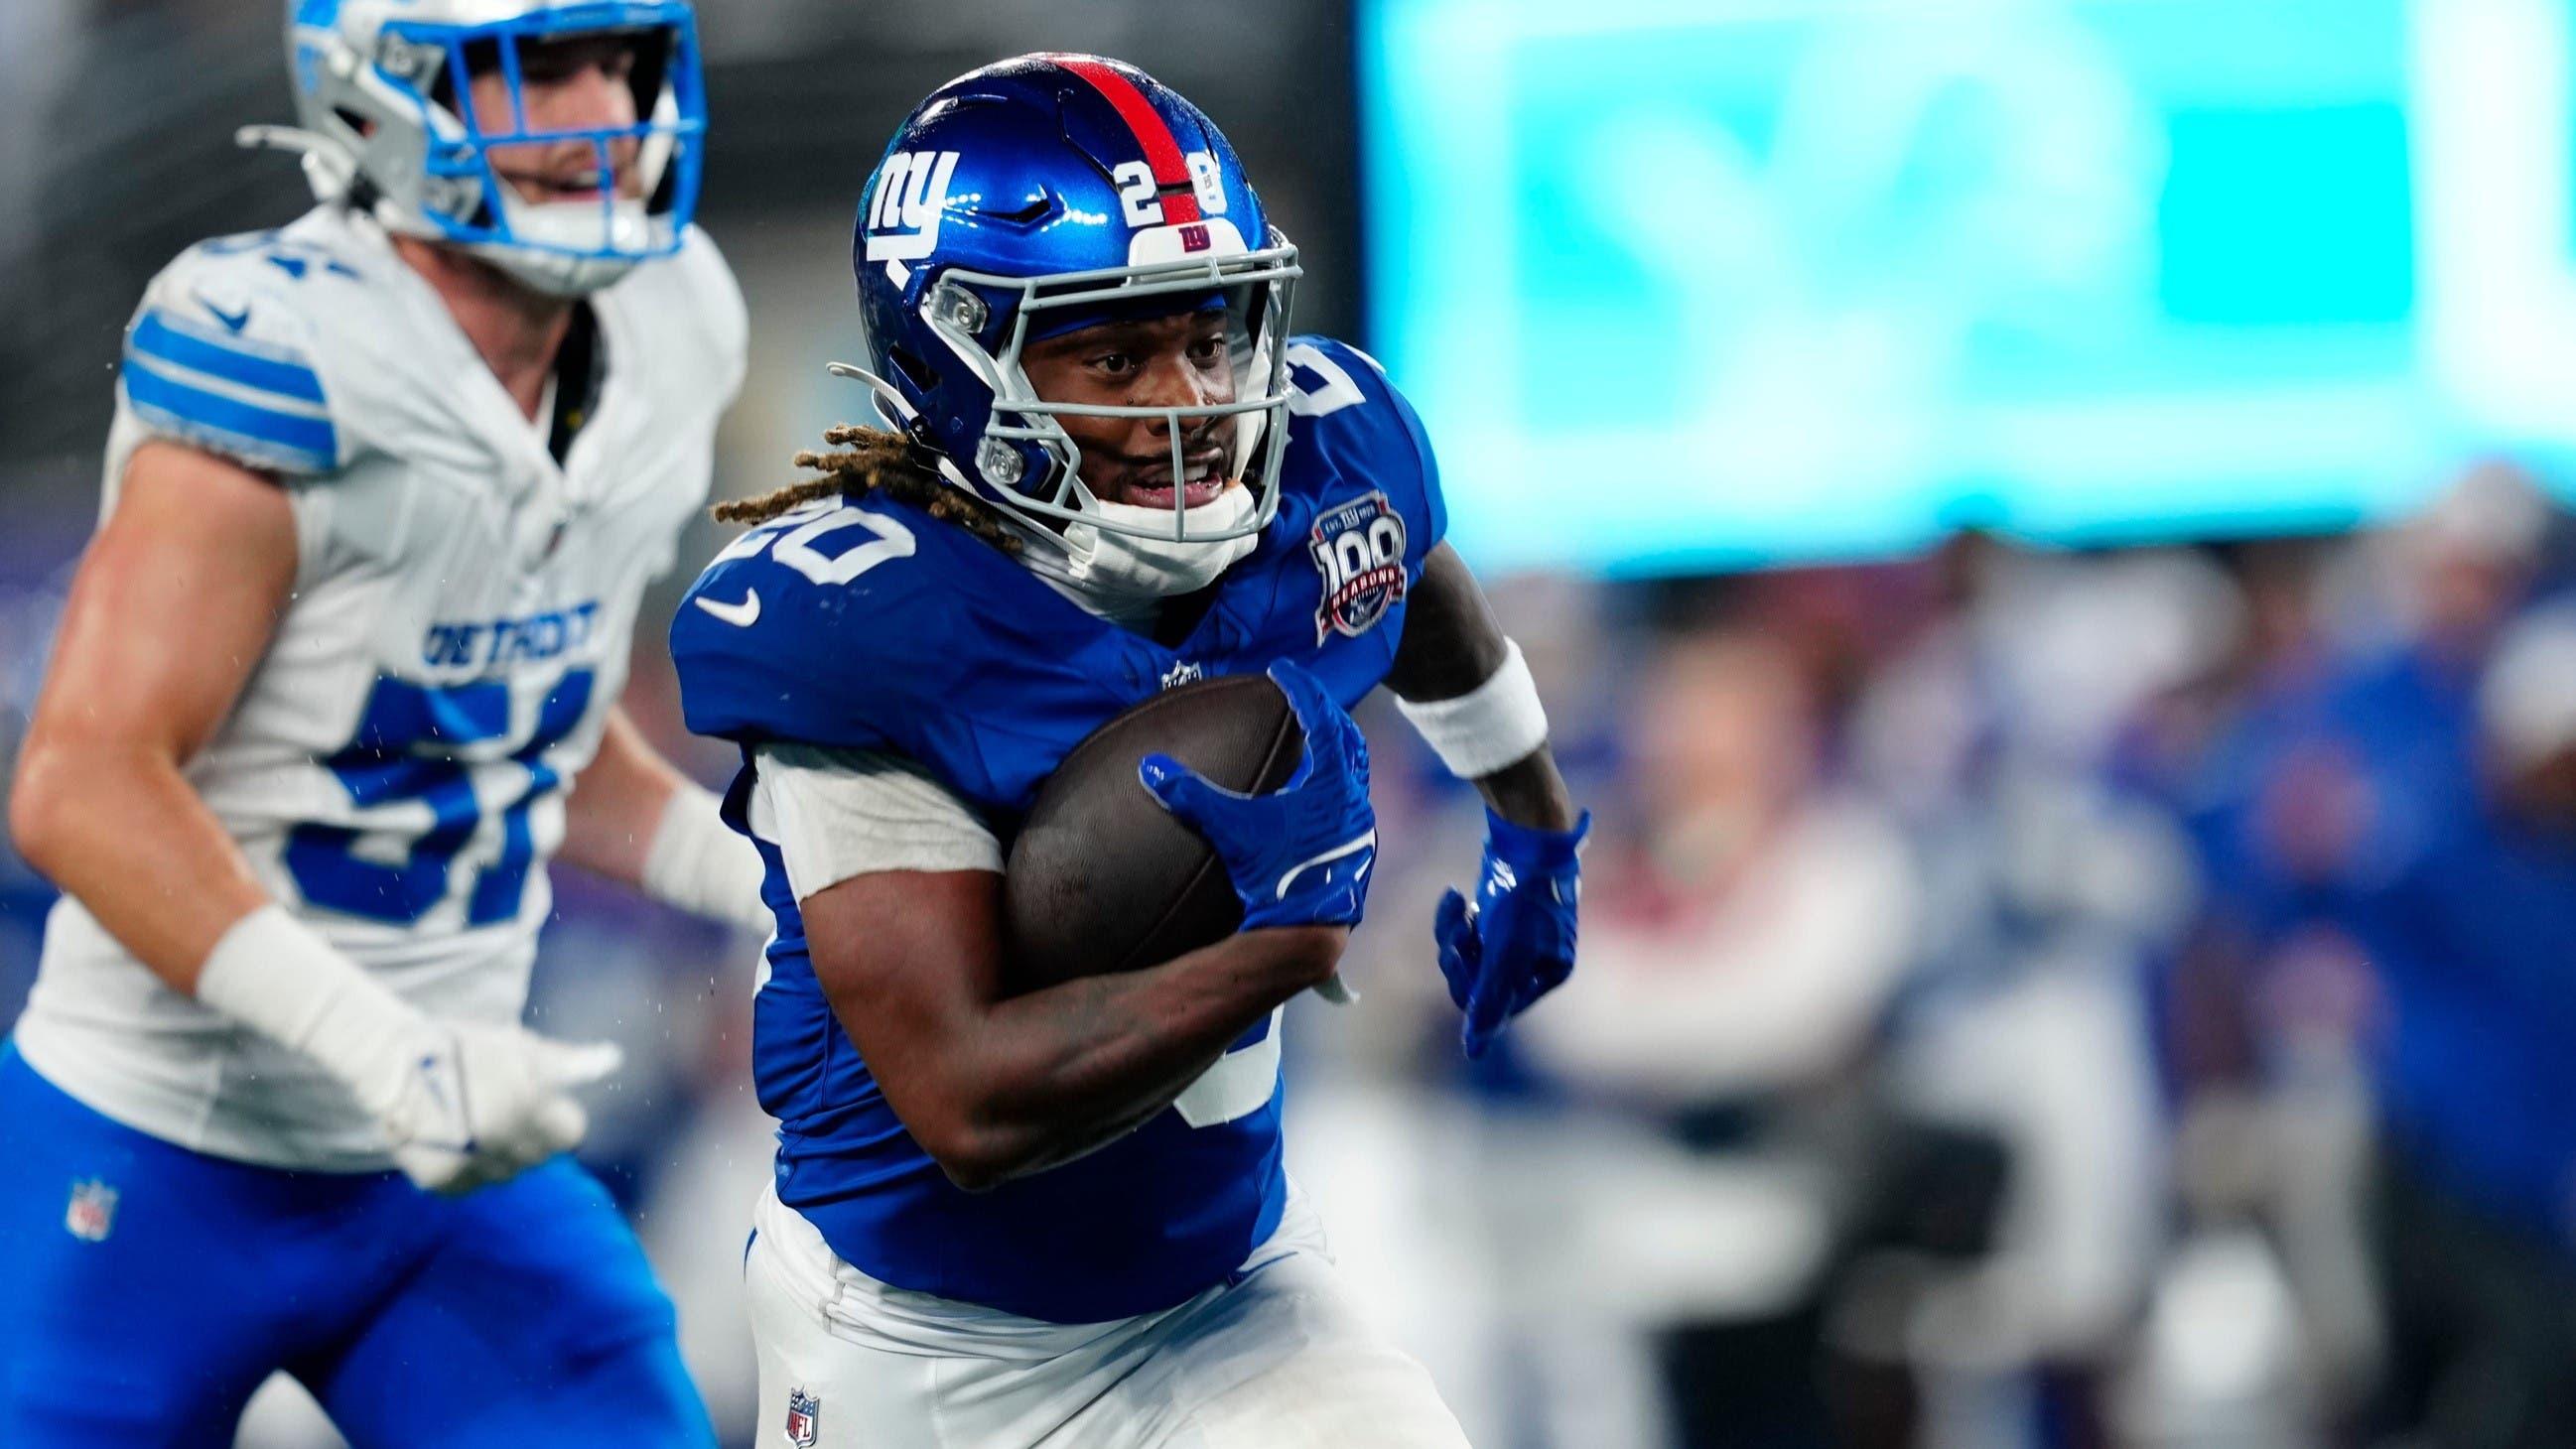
column 1117, row 573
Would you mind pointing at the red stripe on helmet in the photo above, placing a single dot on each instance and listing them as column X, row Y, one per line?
column 1162, row 151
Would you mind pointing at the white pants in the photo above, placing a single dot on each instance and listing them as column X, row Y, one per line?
column 1273, row 1359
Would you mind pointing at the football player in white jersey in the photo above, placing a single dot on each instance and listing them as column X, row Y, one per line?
column 338, row 677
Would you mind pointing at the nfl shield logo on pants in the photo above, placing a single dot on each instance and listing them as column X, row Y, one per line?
column 92, row 1214
column 804, row 1411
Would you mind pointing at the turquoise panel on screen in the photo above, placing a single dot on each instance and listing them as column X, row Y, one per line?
column 1682, row 283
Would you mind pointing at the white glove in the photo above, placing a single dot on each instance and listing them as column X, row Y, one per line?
column 467, row 1106
column 462, row 1105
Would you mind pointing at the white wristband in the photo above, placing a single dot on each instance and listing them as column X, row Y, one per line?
column 1497, row 723
column 277, row 976
column 698, row 863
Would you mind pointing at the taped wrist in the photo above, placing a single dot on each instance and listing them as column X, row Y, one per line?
column 277, row 976
column 1498, row 723
column 698, row 863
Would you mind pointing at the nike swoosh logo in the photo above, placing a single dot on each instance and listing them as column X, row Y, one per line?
column 741, row 615
column 437, row 1081
column 1367, row 842
column 233, row 321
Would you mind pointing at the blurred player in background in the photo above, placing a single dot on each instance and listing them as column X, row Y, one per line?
column 384, row 490
column 1062, row 1216
column 2460, row 885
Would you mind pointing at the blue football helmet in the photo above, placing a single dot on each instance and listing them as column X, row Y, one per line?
column 380, row 97
column 1028, row 198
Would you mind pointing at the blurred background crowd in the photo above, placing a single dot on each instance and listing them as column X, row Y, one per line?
column 2076, row 674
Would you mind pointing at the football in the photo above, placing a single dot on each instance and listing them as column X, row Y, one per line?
column 1100, row 879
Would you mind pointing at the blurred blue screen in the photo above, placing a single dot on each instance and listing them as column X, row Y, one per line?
column 1693, row 283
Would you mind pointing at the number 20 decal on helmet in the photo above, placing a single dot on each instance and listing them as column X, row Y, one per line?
column 1039, row 196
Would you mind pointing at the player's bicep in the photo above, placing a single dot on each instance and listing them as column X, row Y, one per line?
column 173, row 604
column 905, row 955
column 899, row 884
column 1452, row 642
column 911, row 962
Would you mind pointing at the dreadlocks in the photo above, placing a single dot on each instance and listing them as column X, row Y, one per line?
column 874, row 461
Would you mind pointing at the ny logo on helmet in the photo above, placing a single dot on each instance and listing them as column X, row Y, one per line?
column 911, row 200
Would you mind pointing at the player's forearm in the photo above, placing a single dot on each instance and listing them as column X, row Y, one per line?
column 1057, row 1073
column 1530, row 792
column 635, row 819
column 176, row 600
column 118, row 828
column 1462, row 682
column 617, row 803
column 1451, row 641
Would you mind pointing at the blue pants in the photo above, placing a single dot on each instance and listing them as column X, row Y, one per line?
column 520, row 1315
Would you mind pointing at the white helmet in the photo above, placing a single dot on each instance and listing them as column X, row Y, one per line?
column 379, row 93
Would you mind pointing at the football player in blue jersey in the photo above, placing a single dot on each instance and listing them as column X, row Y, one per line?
column 1061, row 1217
column 383, row 494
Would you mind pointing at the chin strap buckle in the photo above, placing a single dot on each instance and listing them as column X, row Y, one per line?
column 326, row 162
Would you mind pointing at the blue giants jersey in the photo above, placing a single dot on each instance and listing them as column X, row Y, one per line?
column 874, row 626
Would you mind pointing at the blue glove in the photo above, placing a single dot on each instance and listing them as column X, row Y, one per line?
column 1516, row 943
column 1299, row 856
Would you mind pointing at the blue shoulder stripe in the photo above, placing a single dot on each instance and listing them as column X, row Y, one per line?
column 256, row 432
column 267, row 370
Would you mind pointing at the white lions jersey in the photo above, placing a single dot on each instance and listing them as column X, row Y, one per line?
column 396, row 767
